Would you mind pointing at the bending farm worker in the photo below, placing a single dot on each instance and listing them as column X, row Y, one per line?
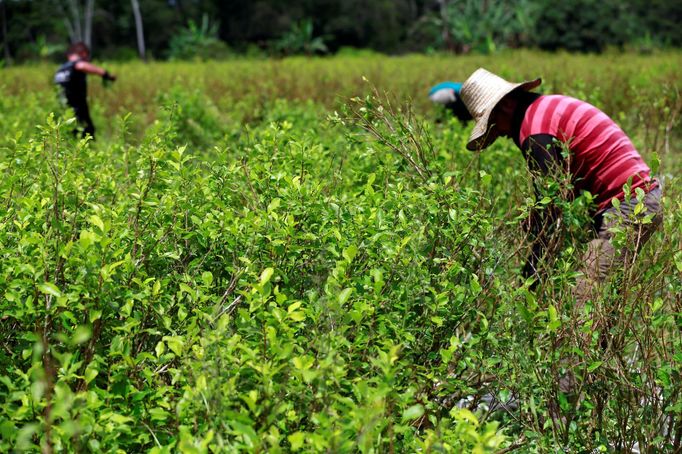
column 447, row 95
column 71, row 78
column 600, row 159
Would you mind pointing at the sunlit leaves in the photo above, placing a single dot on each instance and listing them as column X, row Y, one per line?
column 296, row 285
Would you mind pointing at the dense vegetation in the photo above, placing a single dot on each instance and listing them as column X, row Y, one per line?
column 210, row 29
column 272, row 256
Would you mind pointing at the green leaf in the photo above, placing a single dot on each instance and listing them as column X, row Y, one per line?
column 250, row 436
column 663, row 374
column 156, row 287
column 96, row 221
column 202, row 383
column 175, row 343
column 293, row 306
column 344, row 295
column 88, row 238
column 554, row 322
column 303, row 362
column 640, row 194
column 349, row 253
column 297, row 316
column 120, row 419
column 158, row 414
column 274, row 204
column 474, row 285
column 413, row 412
column 81, row 335
column 657, row 304
column 90, row 374
column 7, row 429
column 95, row 314
column 639, row 208
column 296, row 440
column 160, row 348
column 594, row 366
column 266, row 275
column 551, row 310
column 49, row 288
column 465, row 415
column 486, row 178
column 654, row 163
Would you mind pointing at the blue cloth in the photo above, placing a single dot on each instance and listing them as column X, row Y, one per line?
column 456, row 86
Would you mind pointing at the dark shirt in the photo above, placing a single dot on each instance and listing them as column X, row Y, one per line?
column 74, row 89
column 72, row 82
column 542, row 152
column 459, row 110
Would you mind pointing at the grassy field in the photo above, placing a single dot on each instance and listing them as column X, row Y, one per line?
column 273, row 256
column 616, row 83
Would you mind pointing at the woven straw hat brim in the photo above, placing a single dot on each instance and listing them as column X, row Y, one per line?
column 481, row 93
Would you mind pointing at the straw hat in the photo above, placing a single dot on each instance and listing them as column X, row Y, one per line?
column 481, row 92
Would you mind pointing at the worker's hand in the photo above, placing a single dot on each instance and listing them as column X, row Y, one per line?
column 108, row 77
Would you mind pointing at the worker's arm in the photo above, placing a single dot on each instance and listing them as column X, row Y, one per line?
column 89, row 68
column 543, row 154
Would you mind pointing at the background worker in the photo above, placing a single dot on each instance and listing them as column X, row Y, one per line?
column 71, row 78
column 601, row 159
column 447, row 95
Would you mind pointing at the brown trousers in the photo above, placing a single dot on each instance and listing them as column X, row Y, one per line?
column 602, row 257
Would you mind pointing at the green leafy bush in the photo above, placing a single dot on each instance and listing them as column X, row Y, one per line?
column 484, row 27
column 197, row 42
column 270, row 275
column 300, row 40
column 585, row 25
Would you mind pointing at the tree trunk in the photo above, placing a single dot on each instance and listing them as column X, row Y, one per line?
column 75, row 21
column 78, row 20
column 139, row 29
column 445, row 27
column 87, row 33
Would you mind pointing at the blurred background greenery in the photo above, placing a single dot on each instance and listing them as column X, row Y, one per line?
column 211, row 29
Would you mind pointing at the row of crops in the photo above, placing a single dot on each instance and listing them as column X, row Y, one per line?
column 236, row 264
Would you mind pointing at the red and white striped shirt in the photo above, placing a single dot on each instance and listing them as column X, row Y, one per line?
column 602, row 157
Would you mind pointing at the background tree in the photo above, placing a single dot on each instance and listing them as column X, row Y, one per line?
column 198, row 42
column 300, row 39
column 659, row 19
column 38, row 29
column 78, row 19
column 584, row 25
column 5, row 41
column 139, row 29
